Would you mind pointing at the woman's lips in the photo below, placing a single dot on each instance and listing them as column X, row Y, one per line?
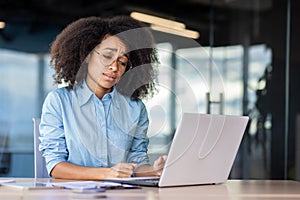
column 109, row 76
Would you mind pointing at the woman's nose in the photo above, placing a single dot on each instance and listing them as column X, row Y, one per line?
column 113, row 66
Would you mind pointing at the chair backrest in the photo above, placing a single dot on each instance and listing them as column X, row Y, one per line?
column 5, row 156
column 40, row 170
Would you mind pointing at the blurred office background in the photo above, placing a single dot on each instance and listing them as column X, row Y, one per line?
column 243, row 60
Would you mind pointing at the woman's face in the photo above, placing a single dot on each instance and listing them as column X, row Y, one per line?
column 107, row 63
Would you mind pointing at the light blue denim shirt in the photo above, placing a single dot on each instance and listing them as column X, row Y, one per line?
column 77, row 127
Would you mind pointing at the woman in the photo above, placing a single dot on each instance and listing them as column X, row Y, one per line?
column 95, row 127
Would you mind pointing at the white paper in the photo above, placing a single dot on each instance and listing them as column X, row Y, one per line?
column 85, row 185
column 6, row 181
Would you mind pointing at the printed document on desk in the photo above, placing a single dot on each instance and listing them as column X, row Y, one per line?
column 32, row 185
column 87, row 185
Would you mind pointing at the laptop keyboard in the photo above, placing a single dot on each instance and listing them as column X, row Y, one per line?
column 143, row 182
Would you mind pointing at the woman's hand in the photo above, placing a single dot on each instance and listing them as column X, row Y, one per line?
column 159, row 164
column 152, row 170
column 121, row 170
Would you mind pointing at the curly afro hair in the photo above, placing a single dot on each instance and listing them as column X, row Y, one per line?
column 71, row 47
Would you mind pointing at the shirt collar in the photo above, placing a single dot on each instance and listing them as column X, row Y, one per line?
column 84, row 93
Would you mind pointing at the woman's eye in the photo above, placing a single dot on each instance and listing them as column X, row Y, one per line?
column 108, row 57
column 122, row 63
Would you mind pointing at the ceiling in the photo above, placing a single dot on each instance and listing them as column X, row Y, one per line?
column 33, row 24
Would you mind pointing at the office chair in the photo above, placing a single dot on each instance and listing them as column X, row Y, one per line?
column 5, row 155
column 40, row 170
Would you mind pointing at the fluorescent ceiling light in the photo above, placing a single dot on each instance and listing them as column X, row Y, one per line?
column 165, row 25
column 183, row 32
column 157, row 21
column 2, row 25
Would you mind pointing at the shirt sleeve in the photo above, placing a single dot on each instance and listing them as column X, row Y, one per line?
column 53, row 144
column 138, row 151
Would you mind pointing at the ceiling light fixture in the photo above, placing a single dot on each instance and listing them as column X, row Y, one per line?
column 157, row 20
column 165, row 25
column 183, row 32
column 2, row 25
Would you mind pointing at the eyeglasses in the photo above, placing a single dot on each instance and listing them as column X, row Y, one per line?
column 108, row 58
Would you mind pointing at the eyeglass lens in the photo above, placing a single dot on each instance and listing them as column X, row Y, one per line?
column 109, row 57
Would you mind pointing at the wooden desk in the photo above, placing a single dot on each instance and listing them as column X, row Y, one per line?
column 231, row 190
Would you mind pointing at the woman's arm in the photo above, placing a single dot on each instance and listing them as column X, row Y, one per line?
column 67, row 170
column 151, row 170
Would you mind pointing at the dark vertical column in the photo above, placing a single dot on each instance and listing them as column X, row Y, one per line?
column 173, row 90
column 40, row 84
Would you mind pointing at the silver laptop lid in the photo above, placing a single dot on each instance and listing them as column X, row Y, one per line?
column 203, row 149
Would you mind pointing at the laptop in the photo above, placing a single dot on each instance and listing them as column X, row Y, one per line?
column 203, row 150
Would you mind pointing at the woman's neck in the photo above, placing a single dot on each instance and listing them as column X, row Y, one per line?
column 97, row 89
column 100, row 91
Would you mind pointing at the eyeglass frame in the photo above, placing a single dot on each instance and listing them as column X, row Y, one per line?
column 128, row 64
